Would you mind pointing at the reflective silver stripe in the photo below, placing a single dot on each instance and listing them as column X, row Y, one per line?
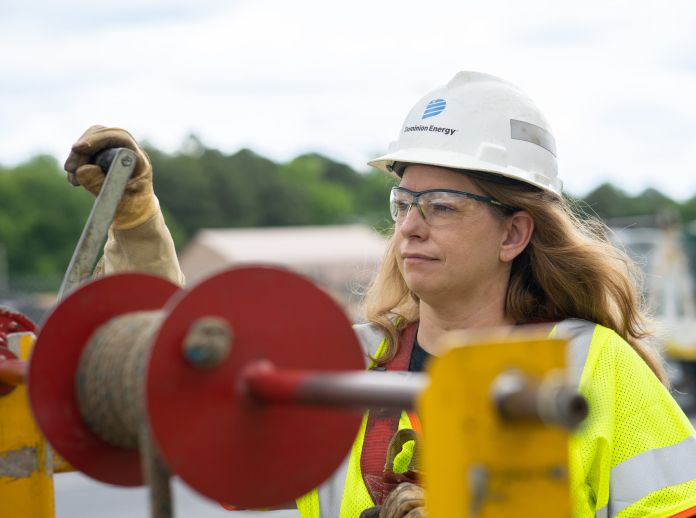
column 331, row 492
column 579, row 333
column 602, row 513
column 371, row 337
column 520, row 130
column 637, row 477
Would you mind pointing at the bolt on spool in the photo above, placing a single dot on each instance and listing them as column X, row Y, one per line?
column 208, row 342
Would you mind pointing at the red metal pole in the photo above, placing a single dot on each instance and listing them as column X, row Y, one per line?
column 360, row 390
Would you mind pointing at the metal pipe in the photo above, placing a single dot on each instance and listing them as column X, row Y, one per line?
column 360, row 390
column 551, row 400
column 157, row 477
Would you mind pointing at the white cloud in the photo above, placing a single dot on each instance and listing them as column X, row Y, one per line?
column 615, row 79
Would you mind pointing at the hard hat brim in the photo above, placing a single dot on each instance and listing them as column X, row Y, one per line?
column 453, row 160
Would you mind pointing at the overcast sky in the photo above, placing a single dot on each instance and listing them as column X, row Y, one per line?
column 616, row 79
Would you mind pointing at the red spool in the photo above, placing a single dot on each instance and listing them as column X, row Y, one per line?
column 54, row 363
column 207, row 429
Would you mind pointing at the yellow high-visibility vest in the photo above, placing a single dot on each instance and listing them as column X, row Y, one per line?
column 635, row 455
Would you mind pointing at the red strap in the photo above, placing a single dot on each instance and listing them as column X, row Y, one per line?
column 688, row 513
column 415, row 422
column 403, row 353
column 382, row 425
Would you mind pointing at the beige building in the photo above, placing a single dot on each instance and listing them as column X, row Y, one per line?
column 342, row 259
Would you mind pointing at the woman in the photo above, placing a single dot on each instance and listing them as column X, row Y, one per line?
column 483, row 237
column 513, row 252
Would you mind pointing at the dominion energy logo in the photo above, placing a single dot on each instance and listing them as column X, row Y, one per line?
column 434, row 107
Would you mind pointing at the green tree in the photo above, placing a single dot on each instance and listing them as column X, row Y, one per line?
column 607, row 201
column 41, row 218
column 41, row 215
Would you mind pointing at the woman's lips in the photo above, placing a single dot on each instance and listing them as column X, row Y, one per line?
column 417, row 258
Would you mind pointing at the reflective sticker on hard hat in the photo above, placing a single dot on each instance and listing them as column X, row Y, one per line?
column 520, row 130
column 435, row 107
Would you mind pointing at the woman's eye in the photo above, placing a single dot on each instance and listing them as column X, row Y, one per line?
column 441, row 208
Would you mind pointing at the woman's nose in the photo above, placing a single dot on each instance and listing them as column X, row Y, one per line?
column 413, row 222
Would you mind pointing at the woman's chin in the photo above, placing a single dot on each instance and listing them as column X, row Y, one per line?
column 424, row 288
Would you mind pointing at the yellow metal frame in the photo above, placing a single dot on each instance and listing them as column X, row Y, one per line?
column 26, row 482
column 475, row 464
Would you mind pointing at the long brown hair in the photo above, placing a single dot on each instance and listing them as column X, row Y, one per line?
column 569, row 269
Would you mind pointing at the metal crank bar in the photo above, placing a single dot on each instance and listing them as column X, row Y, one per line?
column 118, row 164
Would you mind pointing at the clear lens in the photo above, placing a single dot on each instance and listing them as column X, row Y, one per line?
column 399, row 204
column 445, row 207
column 438, row 207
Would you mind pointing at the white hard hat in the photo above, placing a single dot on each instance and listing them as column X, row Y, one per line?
column 478, row 122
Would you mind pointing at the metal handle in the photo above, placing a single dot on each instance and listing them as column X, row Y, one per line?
column 94, row 234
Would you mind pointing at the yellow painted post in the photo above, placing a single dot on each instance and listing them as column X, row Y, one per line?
column 26, row 483
column 475, row 464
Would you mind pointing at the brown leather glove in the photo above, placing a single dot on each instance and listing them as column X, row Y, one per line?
column 371, row 512
column 139, row 203
column 406, row 501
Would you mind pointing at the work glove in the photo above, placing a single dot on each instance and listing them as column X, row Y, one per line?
column 405, row 501
column 138, row 203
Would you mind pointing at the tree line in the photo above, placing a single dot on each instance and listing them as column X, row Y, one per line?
column 41, row 215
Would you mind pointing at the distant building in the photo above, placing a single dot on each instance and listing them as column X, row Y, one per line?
column 656, row 244
column 669, row 288
column 342, row 259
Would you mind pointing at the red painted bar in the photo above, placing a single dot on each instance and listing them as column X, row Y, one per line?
column 358, row 389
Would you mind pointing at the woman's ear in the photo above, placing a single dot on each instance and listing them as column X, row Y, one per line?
column 519, row 228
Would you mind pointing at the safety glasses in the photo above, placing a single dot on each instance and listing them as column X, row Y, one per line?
column 438, row 207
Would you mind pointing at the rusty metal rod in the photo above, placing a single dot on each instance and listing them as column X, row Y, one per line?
column 156, row 475
column 551, row 400
column 363, row 389
column 516, row 397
